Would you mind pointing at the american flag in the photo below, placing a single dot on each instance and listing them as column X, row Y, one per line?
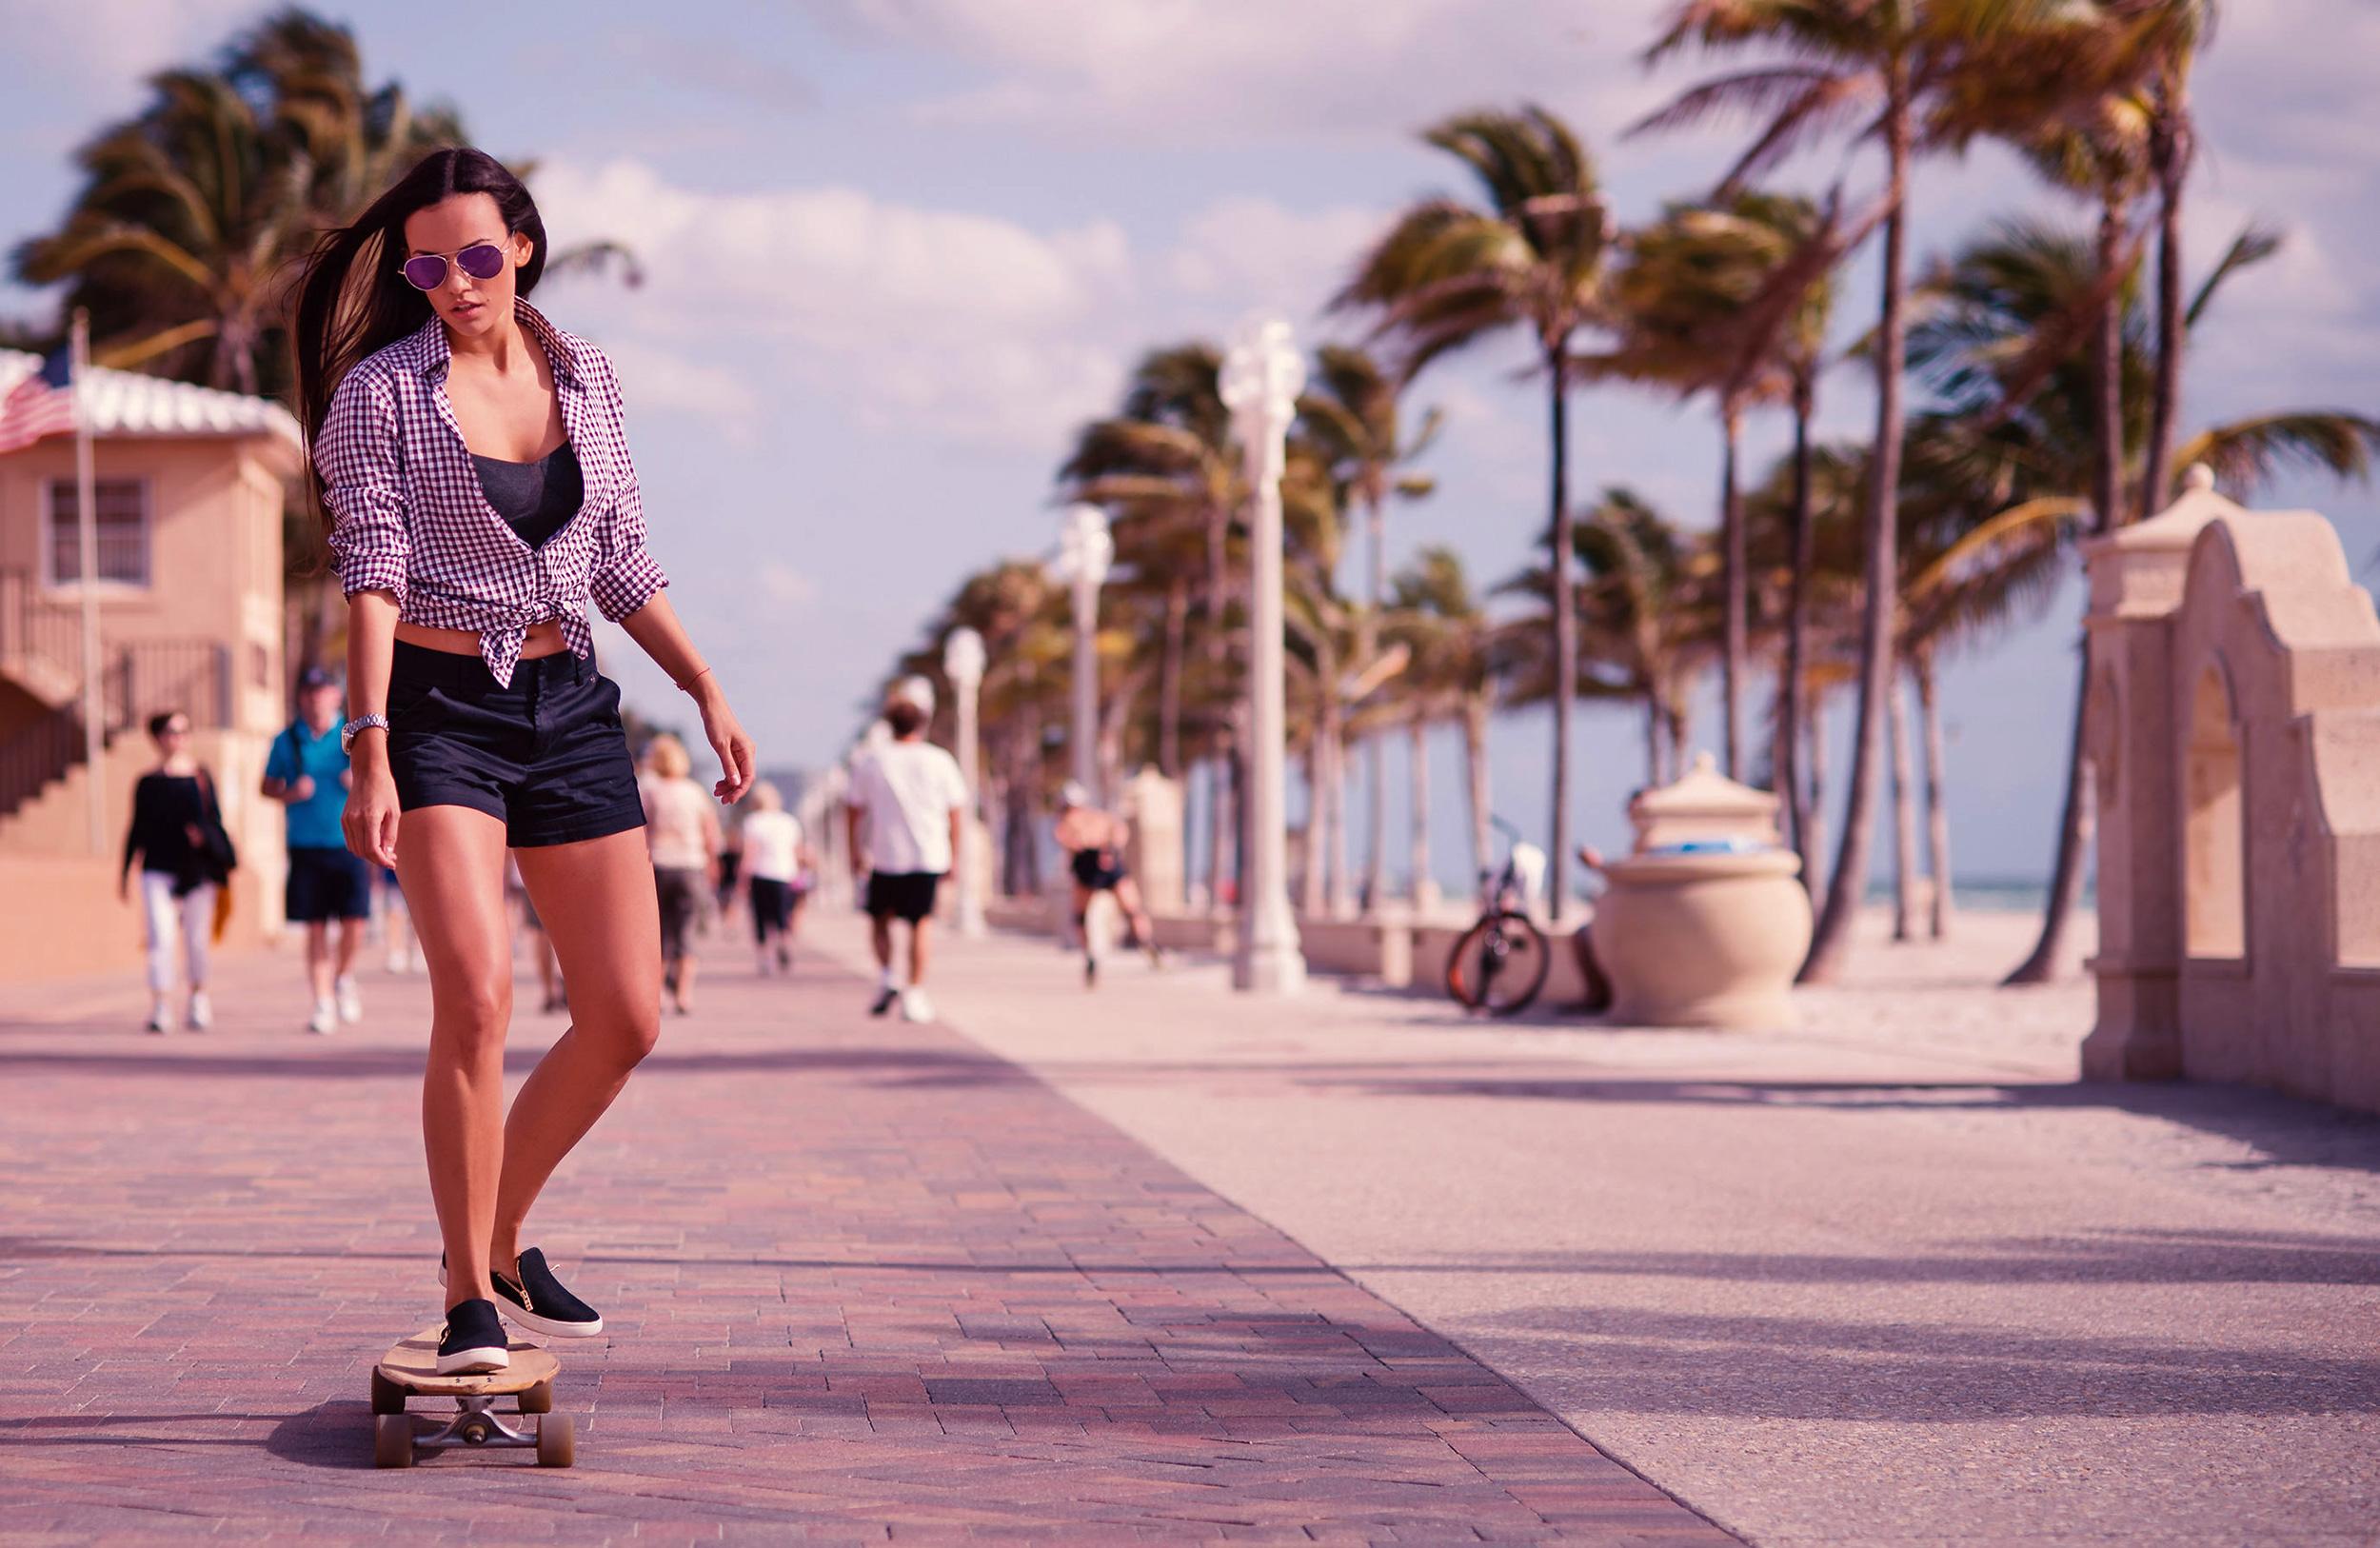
column 43, row 403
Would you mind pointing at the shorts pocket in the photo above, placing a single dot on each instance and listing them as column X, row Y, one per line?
column 413, row 706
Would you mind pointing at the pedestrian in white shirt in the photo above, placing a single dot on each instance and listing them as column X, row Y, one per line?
column 906, row 805
column 772, row 866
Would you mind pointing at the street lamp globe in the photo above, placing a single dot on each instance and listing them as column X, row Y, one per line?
column 962, row 656
column 1085, row 548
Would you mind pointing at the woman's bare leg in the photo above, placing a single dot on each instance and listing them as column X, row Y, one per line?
column 452, row 862
column 601, row 913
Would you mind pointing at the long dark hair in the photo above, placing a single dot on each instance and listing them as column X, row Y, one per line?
column 340, row 321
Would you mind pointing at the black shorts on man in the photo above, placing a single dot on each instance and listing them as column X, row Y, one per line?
column 907, row 896
column 325, row 885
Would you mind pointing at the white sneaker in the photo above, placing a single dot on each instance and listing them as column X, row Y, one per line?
column 399, row 963
column 915, row 1007
column 161, row 1020
column 202, row 1012
column 325, row 1018
column 350, row 1000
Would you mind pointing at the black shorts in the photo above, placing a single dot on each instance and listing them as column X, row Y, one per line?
column 547, row 756
column 1097, row 869
column 326, row 884
column 772, row 908
column 901, row 895
column 681, row 889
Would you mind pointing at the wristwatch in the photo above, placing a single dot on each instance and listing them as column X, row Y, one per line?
column 349, row 732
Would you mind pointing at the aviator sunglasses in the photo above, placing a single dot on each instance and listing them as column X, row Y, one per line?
column 481, row 260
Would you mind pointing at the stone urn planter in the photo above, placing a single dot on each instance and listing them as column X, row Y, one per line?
column 1706, row 924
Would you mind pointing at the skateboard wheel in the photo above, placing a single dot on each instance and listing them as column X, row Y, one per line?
column 556, row 1441
column 392, row 1441
column 539, row 1399
column 388, row 1398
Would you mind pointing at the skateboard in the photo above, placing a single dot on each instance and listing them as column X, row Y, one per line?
column 411, row 1370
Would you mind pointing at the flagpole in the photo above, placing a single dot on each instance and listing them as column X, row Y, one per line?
column 86, row 534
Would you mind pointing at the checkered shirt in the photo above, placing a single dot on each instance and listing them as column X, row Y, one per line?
column 409, row 516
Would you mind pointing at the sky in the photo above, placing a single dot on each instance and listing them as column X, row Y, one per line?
column 898, row 250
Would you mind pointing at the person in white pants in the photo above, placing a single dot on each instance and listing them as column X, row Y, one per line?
column 171, row 807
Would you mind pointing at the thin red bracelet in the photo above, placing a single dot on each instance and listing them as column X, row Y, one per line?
column 688, row 686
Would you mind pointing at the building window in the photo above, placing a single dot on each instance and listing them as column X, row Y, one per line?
column 121, row 505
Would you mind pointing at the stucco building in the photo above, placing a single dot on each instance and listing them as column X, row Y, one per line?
column 189, row 492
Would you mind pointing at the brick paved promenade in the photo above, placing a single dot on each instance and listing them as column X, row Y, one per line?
column 867, row 1283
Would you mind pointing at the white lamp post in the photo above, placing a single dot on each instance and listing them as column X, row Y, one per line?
column 1263, row 374
column 963, row 663
column 1084, row 551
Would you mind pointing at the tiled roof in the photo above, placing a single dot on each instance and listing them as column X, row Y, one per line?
column 129, row 403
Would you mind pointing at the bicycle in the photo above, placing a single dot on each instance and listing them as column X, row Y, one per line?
column 1500, row 964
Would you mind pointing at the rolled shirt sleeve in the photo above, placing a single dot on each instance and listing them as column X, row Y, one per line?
column 626, row 576
column 361, row 461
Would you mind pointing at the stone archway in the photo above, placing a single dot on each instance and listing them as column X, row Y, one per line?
column 2215, row 871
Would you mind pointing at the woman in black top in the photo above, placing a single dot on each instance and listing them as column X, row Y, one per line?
column 174, row 810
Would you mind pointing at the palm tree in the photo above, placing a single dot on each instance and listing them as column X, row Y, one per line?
column 1885, row 66
column 2036, row 459
column 1166, row 468
column 1455, row 670
column 1350, row 415
column 1729, row 298
column 1449, row 274
column 177, row 240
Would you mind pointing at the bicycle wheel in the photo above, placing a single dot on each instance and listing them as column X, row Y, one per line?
column 1499, row 964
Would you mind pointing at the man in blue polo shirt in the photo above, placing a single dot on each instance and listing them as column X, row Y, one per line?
column 307, row 773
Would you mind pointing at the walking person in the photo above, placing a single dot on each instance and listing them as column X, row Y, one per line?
column 177, row 840
column 307, row 773
column 1093, row 842
column 908, row 801
column 682, row 830
column 771, row 842
column 471, row 459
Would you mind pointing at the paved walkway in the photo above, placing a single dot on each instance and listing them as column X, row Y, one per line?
column 1892, row 1280
column 866, row 1281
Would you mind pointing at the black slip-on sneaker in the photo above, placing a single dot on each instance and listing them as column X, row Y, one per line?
column 534, row 1299
column 474, row 1340
column 886, row 999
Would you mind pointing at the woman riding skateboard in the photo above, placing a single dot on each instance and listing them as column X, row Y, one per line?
column 471, row 459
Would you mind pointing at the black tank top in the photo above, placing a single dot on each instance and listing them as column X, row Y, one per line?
column 535, row 499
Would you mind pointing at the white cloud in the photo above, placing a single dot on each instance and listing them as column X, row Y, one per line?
column 110, row 45
column 1208, row 71
column 969, row 325
column 781, row 583
column 1260, row 252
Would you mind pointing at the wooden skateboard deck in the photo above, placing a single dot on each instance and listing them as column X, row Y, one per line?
column 411, row 1370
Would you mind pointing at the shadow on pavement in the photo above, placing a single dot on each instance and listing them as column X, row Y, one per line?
column 1629, row 1359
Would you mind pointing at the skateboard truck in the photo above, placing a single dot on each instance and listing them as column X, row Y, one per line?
column 410, row 1370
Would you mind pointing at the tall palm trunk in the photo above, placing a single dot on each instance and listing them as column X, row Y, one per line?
column 1904, row 818
column 1654, row 765
column 1803, row 532
column 2107, row 408
column 1374, row 769
column 1565, row 629
column 1335, row 894
column 1474, row 763
column 1831, row 943
column 1938, row 816
column 1813, row 844
column 1222, row 822
column 1421, row 887
column 2170, row 156
column 1313, row 844
column 1735, row 646
column 1169, row 677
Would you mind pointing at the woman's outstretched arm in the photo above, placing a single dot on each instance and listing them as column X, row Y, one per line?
column 655, row 627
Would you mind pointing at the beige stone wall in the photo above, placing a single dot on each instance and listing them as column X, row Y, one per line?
column 2234, row 731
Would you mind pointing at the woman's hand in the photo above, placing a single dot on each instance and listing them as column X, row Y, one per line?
column 726, row 737
column 370, row 820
